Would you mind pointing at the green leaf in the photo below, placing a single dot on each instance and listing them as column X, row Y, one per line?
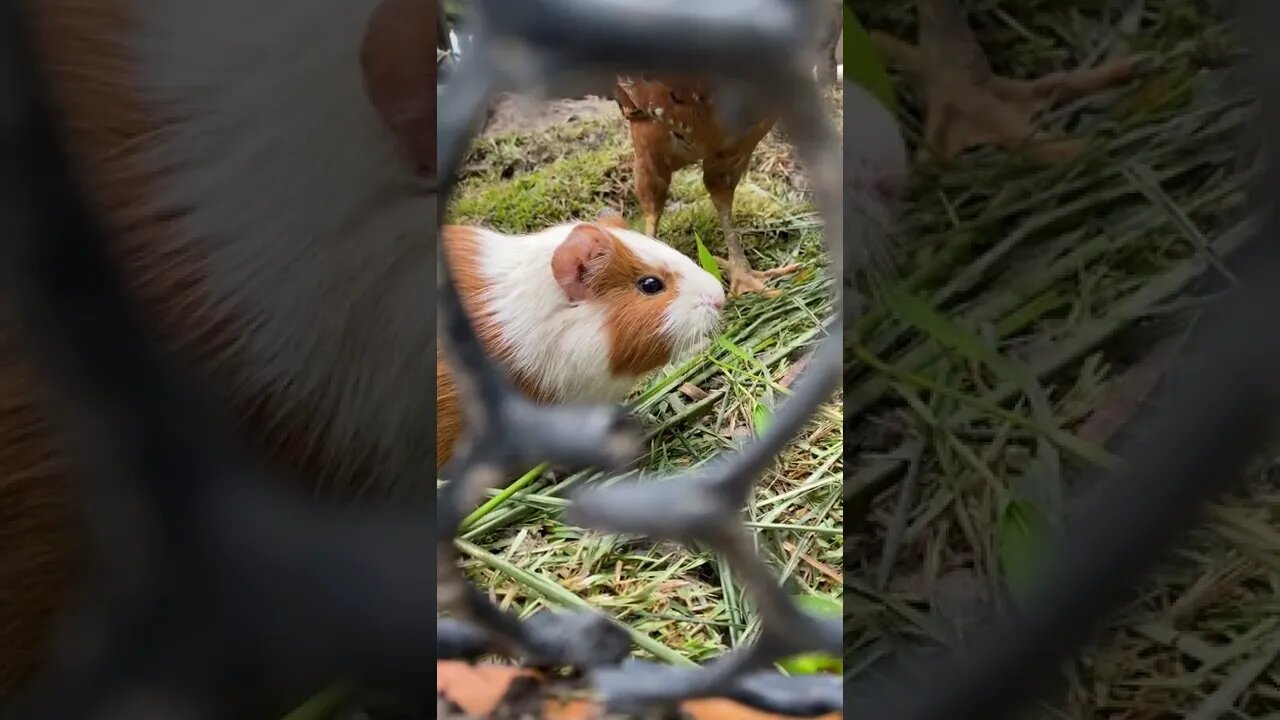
column 1025, row 541
column 707, row 262
column 862, row 63
column 821, row 604
column 761, row 418
column 812, row 664
column 920, row 313
column 325, row 704
column 743, row 355
column 815, row 663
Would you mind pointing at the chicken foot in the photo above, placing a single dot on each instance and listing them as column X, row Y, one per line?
column 967, row 104
column 721, row 183
column 743, row 278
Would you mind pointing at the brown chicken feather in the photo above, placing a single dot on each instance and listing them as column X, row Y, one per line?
column 675, row 122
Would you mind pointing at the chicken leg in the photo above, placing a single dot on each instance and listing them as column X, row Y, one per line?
column 652, row 173
column 967, row 104
column 721, row 177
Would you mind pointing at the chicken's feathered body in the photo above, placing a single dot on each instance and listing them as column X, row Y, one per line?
column 676, row 122
column 687, row 110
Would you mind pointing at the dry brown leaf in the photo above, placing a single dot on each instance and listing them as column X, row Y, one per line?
column 715, row 709
column 815, row 563
column 1126, row 393
column 793, row 372
column 477, row 689
column 693, row 392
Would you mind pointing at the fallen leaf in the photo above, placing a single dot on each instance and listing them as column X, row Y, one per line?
column 693, row 392
column 816, row 564
column 793, row 372
column 571, row 710
column 477, row 689
column 1127, row 392
column 716, row 709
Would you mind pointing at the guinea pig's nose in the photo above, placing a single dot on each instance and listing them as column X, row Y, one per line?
column 717, row 302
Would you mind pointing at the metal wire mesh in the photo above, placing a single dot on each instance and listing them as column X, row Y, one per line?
column 186, row 614
column 763, row 51
column 199, row 609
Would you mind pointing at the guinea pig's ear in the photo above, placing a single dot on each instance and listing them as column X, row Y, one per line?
column 400, row 77
column 609, row 217
column 584, row 251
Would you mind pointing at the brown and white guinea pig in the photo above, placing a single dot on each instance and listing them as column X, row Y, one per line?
column 578, row 312
column 265, row 172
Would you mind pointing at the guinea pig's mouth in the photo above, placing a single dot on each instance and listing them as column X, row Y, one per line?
column 696, row 336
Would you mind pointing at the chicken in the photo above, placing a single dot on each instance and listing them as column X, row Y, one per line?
column 676, row 122
column 966, row 104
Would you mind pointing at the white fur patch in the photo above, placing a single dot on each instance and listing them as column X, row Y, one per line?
column 315, row 227
column 564, row 347
column 874, row 149
column 875, row 160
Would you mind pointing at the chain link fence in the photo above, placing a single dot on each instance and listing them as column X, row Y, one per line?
column 216, row 592
column 761, row 52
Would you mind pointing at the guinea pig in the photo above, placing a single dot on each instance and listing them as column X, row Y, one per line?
column 263, row 170
column 576, row 313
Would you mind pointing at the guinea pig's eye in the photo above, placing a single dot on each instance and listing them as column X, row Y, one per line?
column 650, row 285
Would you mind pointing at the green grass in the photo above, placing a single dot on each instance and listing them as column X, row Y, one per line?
column 681, row 605
column 990, row 381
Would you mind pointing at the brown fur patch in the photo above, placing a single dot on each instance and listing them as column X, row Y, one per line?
column 400, row 75
column 462, row 252
column 637, row 343
column 38, row 546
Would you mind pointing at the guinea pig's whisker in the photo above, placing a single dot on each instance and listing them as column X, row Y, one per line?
column 689, row 344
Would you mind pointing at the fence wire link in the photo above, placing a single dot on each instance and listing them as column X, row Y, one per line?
column 760, row 52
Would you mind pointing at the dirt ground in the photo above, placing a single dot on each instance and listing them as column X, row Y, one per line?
column 513, row 113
